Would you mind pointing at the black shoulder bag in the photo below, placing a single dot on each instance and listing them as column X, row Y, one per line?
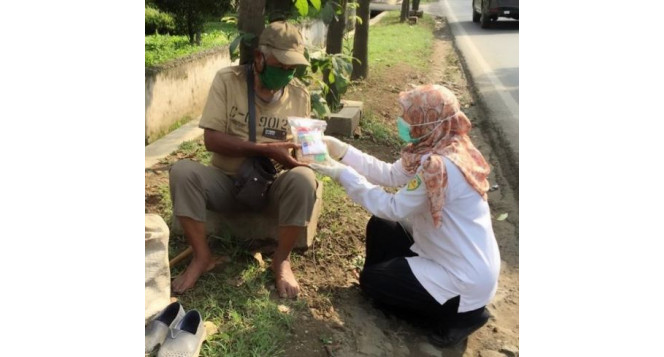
column 256, row 173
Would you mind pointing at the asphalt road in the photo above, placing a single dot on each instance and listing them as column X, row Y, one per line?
column 492, row 58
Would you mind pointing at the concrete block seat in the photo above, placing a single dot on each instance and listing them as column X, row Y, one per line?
column 346, row 120
column 253, row 226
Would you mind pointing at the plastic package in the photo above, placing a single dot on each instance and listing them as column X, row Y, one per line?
column 309, row 133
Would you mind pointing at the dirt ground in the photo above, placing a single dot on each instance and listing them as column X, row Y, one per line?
column 338, row 311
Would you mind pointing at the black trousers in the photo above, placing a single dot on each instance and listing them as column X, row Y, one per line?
column 389, row 281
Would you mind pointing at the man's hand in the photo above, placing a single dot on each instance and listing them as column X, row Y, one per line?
column 333, row 170
column 279, row 152
column 335, row 147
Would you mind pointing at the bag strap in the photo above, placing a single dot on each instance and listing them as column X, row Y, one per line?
column 252, row 104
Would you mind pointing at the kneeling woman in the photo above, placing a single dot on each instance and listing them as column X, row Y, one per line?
column 446, row 266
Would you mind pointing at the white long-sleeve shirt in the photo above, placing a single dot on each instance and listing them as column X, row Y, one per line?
column 461, row 258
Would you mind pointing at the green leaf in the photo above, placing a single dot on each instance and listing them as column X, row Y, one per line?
column 302, row 7
column 502, row 217
column 339, row 8
column 318, row 105
column 324, row 87
column 348, row 65
column 335, row 63
column 323, row 64
column 358, row 20
column 341, row 84
column 233, row 48
column 327, row 14
column 229, row 19
column 315, row 4
column 330, row 77
column 300, row 72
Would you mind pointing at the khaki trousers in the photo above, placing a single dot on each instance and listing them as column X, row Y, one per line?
column 196, row 188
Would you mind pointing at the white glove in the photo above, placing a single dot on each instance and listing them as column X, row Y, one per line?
column 332, row 170
column 335, row 147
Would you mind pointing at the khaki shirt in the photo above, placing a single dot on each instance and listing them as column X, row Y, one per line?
column 226, row 110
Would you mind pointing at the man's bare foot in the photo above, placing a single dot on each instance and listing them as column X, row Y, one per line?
column 196, row 268
column 287, row 286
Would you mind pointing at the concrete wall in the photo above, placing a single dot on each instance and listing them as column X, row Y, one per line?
column 180, row 89
column 314, row 34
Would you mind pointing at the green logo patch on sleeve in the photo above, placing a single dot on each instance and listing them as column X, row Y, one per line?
column 414, row 183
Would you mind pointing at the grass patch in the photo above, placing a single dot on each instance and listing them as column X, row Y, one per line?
column 160, row 49
column 335, row 198
column 165, row 205
column 192, row 149
column 238, row 301
column 182, row 121
column 385, row 48
column 225, row 27
column 380, row 133
column 195, row 150
column 239, row 297
column 454, row 73
column 338, row 218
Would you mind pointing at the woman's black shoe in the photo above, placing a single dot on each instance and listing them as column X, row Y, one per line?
column 454, row 335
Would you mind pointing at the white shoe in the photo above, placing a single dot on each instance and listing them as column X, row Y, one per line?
column 186, row 338
column 157, row 330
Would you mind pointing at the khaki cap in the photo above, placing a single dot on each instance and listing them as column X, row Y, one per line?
column 286, row 43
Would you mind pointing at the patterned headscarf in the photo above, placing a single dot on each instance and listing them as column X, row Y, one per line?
column 437, row 105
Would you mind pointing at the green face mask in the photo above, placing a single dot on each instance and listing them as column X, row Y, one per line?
column 404, row 129
column 275, row 77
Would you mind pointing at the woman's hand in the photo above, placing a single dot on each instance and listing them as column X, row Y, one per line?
column 333, row 169
column 335, row 147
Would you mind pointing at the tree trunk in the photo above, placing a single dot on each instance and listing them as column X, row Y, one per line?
column 335, row 32
column 251, row 20
column 190, row 26
column 335, row 36
column 416, row 5
column 404, row 10
column 191, row 34
column 351, row 12
column 361, row 43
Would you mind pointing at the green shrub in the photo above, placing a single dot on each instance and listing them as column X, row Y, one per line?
column 163, row 48
column 190, row 15
column 158, row 22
